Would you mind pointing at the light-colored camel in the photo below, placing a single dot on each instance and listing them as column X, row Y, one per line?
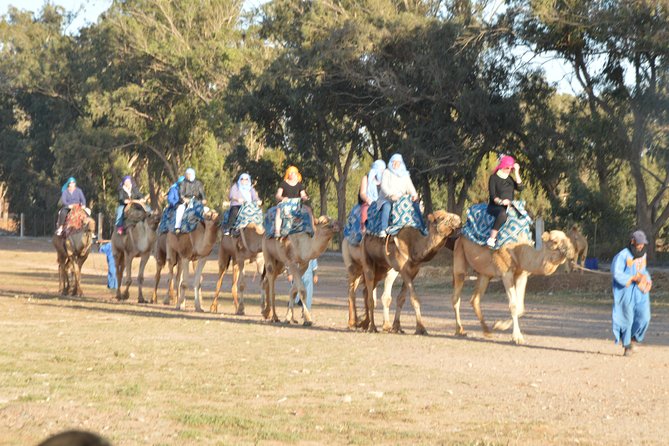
column 137, row 241
column 245, row 248
column 193, row 246
column 160, row 254
column 72, row 251
column 353, row 259
column 404, row 252
column 580, row 244
column 513, row 263
column 293, row 252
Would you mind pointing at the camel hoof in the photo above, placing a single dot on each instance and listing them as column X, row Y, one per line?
column 240, row 311
column 421, row 331
column 141, row 300
column 387, row 328
column 518, row 340
column 488, row 334
column 199, row 310
column 213, row 308
column 372, row 329
column 461, row 332
column 502, row 325
column 307, row 323
column 397, row 329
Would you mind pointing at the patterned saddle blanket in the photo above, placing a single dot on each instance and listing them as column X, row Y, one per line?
column 293, row 219
column 193, row 215
column 518, row 226
column 404, row 213
column 248, row 213
column 167, row 220
column 352, row 230
column 75, row 220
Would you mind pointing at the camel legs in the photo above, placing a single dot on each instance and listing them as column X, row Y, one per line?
column 182, row 281
column 512, row 295
column 370, row 284
column 76, row 291
column 401, row 298
column 352, row 310
column 223, row 262
column 238, row 286
column 272, row 294
column 140, row 277
column 298, row 287
column 265, row 304
column 480, row 288
column 197, row 283
column 386, row 297
column 119, row 259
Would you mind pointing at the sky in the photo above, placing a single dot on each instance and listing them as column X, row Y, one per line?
column 89, row 10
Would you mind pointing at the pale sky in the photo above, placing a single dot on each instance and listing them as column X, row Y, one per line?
column 89, row 10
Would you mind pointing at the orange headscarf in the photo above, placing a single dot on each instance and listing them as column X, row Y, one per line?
column 290, row 170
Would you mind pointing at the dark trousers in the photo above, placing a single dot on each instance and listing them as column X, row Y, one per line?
column 499, row 212
column 232, row 217
column 62, row 215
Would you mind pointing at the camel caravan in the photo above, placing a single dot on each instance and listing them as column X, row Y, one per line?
column 386, row 237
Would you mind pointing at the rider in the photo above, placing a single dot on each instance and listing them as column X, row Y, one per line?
column 395, row 183
column 369, row 189
column 189, row 189
column 70, row 197
column 127, row 192
column 290, row 187
column 501, row 188
column 241, row 192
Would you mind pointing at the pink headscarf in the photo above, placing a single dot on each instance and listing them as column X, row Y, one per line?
column 506, row 161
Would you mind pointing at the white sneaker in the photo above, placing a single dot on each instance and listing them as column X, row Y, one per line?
column 491, row 243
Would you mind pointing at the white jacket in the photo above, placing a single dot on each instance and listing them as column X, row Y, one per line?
column 391, row 185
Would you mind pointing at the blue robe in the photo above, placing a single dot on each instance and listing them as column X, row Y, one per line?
column 308, row 281
column 106, row 248
column 631, row 307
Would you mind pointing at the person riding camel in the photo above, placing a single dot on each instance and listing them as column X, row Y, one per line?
column 501, row 189
column 127, row 192
column 369, row 189
column 241, row 192
column 190, row 189
column 291, row 187
column 395, row 183
column 70, row 197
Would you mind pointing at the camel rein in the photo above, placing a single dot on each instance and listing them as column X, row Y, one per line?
column 577, row 266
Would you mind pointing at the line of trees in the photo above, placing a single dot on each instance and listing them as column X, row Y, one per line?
column 329, row 85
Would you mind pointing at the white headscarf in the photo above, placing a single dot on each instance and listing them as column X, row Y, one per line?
column 400, row 171
column 374, row 179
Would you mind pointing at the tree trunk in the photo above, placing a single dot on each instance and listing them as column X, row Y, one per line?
column 427, row 196
column 323, row 191
column 341, row 202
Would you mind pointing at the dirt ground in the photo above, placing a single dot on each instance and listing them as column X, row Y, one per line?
column 152, row 375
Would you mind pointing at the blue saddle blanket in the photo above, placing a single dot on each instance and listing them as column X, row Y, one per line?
column 193, row 215
column 352, row 230
column 404, row 213
column 293, row 219
column 518, row 226
column 248, row 213
column 167, row 220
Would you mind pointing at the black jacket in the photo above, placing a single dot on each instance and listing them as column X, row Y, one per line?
column 192, row 189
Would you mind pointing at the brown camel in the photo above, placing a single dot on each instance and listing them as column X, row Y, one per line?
column 580, row 244
column 353, row 259
column 72, row 249
column 160, row 254
column 513, row 263
column 193, row 246
column 404, row 252
column 246, row 247
column 293, row 252
column 136, row 241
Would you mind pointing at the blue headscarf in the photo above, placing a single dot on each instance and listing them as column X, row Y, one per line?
column 245, row 189
column 181, row 179
column 374, row 178
column 400, row 171
column 191, row 171
column 127, row 177
column 67, row 183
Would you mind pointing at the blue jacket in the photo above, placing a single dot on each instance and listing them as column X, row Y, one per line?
column 76, row 197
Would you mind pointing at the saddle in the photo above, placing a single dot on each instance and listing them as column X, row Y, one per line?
column 294, row 219
column 404, row 213
column 479, row 223
column 75, row 221
column 248, row 213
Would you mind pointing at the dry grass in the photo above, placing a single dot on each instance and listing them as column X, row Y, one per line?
column 150, row 375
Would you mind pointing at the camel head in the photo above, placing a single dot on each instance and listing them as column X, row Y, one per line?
column 89, row 225
column 211, row 215
column 325, row 222
column 153, row 218
column 559, row 243
column 444, row 222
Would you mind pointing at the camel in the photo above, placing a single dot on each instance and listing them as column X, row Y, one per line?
column 72, row 250
column 137, row 241
column 580, row 247
column 160, row 254
column 293, row 252
column 246, row 247
column 513, row 262
column 405, row 254
column 353, row 259
column 192, row 246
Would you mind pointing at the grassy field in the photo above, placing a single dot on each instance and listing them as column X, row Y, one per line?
column 151, row 375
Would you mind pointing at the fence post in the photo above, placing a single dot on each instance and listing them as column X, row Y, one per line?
column 100, row 225
column 21, row 229
column 538, row 231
